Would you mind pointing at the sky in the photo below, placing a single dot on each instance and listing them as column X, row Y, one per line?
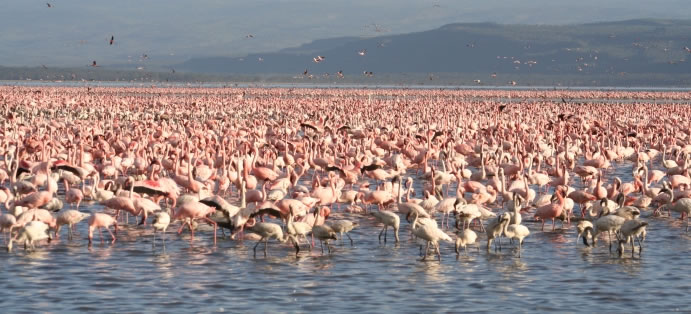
column 75, row 32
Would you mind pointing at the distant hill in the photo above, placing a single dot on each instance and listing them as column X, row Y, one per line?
column 611, row 48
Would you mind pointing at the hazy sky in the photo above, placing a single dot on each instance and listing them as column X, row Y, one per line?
column 73, row 33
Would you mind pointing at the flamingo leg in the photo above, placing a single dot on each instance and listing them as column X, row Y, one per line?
column 111, row 235
column 297, row 246
column 640, row 245
column 191, row 230
column 426, row 249
column 215, row 226
column 255, row 247
column 351, row 239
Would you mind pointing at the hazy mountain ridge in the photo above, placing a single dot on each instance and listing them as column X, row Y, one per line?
column 633, row 46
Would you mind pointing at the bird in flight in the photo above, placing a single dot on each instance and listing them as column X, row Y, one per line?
column 687, row 49
column 249, row 36
column 93, row 64
column 49, row 5
column 112, row 39
column 377, row 28
column 318, row 59
column 368, row 73
column 305, row 73
column 362, row 52
column 340, row 73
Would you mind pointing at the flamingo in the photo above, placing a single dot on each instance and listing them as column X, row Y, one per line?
column 99, row 221
column 160, row 223
column 388, row 219
column 518, row 232
column 297, row 230
column 431, row 234
column 70, row 218
column 30, row 233
column 551, row 211
column 191, row 211
column 682, row 206
column 495, row 229
column 343, row 226
column 268, row 231
column 324, row 233
column 73, row 195
column 6, row 223
column 466, row 237
column 630, row 231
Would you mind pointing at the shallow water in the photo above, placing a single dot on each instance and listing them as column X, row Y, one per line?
column 554, row 274
column 329, row 85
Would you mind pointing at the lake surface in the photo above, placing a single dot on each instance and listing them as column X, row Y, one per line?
column 38, row 83
column 555, row 273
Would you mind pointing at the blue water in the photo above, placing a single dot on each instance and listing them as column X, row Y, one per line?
column 555, row 273
column 38, row 83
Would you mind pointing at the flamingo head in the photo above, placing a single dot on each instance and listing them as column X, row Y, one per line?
column 554, row 198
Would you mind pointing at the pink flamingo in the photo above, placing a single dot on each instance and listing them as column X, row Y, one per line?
column 551, row 211
column 194, row 210
column 101, row 220
column 73, row 195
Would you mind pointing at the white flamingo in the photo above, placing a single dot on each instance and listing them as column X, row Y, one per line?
column 388, row 219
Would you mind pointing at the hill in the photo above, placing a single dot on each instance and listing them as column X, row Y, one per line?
column 611, row 48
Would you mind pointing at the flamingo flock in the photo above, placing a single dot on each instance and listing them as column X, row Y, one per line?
column 278, row 164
